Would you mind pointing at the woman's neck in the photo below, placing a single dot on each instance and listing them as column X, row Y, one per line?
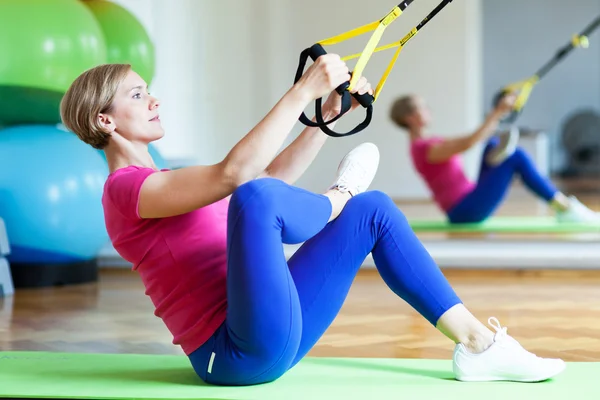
column 126, row 154
column 415, row 133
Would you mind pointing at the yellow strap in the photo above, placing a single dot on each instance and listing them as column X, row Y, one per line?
column 387, row 73
column 385, row 21
column 400, row 43
column 378, row 27
column 366, row 55
column 523, row 96
column 350, row 34
column 525, row 88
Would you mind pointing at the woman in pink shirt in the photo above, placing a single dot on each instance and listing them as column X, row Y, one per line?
column 439, row 163
column 207, row 240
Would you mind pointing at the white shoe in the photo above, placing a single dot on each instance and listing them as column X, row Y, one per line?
column 357, row 169
column 577, row 212
column 504, row 360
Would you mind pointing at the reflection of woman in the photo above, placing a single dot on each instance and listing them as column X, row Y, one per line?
column 438, row 162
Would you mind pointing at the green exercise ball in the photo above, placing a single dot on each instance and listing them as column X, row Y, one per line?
column 127, row 41
column 45, row 46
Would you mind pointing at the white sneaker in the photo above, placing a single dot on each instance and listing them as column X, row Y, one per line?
column 357, row 169
column 577, row 212
column 504, row 360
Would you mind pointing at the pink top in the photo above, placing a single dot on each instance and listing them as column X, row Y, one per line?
column 181, row 260
column 447, row 180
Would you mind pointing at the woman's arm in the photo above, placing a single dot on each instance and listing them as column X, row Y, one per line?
column 295, row 159
column 441, row 152
column 180, row 191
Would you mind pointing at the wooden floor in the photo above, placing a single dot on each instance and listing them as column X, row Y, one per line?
column 553, row 314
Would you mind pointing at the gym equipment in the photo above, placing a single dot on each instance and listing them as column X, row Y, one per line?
column 129, row 376
column 45, row 46
column 581, row 142
column 7, row 287
column 51, row 186
column 127, row 41
column 506, row 225
column 525, row 87
column 366, row 100
column 4, row 243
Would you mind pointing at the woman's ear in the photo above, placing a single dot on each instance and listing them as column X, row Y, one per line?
column 107, row 122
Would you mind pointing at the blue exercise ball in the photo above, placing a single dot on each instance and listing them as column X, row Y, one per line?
column 51, row 187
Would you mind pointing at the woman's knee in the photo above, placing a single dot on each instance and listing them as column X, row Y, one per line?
column 256, row 193
column 521, row 158
column 256, row 187
column 375, row 207
column 373, row 200
column 520, row 154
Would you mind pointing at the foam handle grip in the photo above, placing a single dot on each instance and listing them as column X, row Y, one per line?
column 365, row 100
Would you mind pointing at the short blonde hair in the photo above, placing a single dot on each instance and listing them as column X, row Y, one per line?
column 402, row 108
column 92, row 93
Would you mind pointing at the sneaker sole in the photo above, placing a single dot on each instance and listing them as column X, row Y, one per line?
column 498, row 379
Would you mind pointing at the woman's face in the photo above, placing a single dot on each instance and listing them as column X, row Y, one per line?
column 134, row 114
column 421, row 116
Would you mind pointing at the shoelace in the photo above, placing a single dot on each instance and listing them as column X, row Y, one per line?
column 502, row 334
column 500, row 330
column 356, row 172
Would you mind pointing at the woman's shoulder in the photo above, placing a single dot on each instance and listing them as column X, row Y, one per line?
column 127, row 179
column 131, row 169
column 427, row 140
column 130, row 172
column 422, row 144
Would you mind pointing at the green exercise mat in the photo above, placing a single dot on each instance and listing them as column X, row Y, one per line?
column 507, row 225
column 42, row 375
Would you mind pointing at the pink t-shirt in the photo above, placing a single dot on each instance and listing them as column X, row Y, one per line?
column 447, row 180
column 181, row 260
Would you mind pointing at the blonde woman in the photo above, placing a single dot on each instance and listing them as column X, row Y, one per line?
column 207, row 240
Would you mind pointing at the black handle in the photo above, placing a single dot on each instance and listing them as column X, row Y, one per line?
column 345, row 98
column 365, row 100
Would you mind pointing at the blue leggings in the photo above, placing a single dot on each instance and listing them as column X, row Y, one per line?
column 494, row 182
column 278, row 310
